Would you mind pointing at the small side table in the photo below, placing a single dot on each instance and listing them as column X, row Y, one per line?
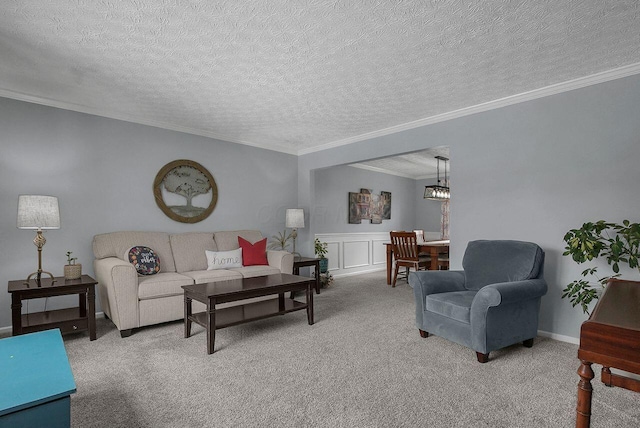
column 80, row 318
column 299, row 262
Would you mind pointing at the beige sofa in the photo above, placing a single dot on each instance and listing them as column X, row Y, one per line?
column 133, row 301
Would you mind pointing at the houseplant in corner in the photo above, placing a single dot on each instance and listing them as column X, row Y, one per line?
column 619, row 244
column 321, row 251
column 72, row 270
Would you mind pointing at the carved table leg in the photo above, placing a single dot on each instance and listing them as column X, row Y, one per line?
column 583, row 407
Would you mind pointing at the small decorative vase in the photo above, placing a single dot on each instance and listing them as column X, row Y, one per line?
column 73, row 271
column 324, row 265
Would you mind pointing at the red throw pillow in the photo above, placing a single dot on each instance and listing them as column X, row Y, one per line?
column 253, row 254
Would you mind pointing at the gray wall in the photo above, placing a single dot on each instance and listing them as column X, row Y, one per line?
column 330, row 202
column 102, row 171
column 529, row 171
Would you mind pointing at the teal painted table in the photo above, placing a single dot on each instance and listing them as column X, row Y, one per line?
column 35, row 381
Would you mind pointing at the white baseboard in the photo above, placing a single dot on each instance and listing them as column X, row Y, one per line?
column 342, row 275
column 559, row 337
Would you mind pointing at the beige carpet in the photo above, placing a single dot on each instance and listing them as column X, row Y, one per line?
column 362, row 364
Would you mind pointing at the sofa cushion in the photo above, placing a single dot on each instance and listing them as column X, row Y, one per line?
column 144, row 260
column 224, row 259
column 204, row 276
column 115, row 244
column 228, row 240
column 455, row 304
column 253, row 254
column 258, row 270
column 188, row 250
column 162, row 285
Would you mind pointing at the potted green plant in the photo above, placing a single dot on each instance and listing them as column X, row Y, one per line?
column 280, row 241
column 619, row 244
column 72, row 270
column 321, row 251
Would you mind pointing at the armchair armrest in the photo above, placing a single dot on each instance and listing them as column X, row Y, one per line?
column 432, row 282
column 509, row 292
column 506, row 298
column 436, row 281
column 118, row 287
column 283, row 260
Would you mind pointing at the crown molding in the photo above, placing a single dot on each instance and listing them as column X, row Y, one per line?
column 558, row 88
column 6, row 93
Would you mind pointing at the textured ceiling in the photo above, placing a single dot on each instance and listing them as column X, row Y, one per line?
column 297, row 76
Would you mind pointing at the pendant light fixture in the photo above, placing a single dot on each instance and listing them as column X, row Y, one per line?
column 438, row 192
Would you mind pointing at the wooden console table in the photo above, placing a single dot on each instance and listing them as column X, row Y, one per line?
column 610, row 337
column 80, row 318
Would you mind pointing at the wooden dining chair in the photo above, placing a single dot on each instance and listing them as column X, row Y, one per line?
column 405, row 252
column 443, row 260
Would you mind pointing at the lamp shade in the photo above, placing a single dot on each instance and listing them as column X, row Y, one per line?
column 38, row 212
column 295, row 218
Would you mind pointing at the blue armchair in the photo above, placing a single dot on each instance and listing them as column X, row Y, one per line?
column 492, row 303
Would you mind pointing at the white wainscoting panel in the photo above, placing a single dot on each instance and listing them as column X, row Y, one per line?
column 333, row 254
column 379, row 251
column 353, row 253
column 356, row 254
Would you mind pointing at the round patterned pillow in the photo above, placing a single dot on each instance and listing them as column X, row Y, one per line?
column 144, row 259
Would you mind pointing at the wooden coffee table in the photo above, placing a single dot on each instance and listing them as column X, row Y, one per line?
column 213, row 293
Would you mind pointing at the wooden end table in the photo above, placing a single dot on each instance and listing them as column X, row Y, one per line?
column 299, row 262
column 80, row 318
column 213, row 293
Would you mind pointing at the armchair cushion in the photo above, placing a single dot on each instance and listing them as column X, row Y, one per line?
column 489, row 262
column 455, row 304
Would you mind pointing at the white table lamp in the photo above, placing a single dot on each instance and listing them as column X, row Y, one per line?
column 295, row 221
column 38, row 212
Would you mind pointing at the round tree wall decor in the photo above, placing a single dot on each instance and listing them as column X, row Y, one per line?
column 185, row 191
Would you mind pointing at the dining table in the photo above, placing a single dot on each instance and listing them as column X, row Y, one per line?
column 433, row 248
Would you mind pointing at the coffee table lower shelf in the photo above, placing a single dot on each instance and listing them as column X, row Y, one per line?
column 240, row 314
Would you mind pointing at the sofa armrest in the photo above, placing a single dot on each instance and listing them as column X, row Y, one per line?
column 282, row 260
column 118, row 287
